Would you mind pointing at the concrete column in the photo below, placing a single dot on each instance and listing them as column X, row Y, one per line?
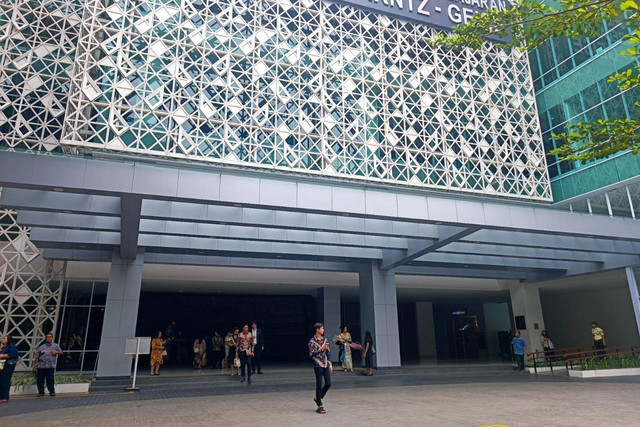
column 120, row 315
column 426, row 329
column 525, row 301
column 329, row 314
column 635, row 297
column 379, row 313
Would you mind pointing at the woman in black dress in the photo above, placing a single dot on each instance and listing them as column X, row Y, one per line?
column 368, row 353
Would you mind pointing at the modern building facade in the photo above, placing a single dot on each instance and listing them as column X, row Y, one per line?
column 570, row 79
column 278, row 148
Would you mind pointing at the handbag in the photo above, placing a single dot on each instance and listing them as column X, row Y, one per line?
column 236, row 362
column 196, row 350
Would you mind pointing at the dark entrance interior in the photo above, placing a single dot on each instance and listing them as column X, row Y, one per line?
column 286, row 320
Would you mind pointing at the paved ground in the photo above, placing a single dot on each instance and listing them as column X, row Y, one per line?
column 431, row 397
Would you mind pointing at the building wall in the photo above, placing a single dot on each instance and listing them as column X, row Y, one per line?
column 497, row 318
column 311, row 87
column 30, row 289
column 426, row 329
column 570, row 79
column 568, row 317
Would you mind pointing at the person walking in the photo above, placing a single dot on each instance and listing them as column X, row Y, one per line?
column 547, row 344
column 217, row 353
column 228, row 356
column 258, row 347
column 345, row 340
column 245, row 352
column 157, row 349
column 45, row 365
column 8, row 360
column 199, row 352
column 519, row 349
column 233, row 352
column 368, row 353
column 320, row 352
column 597, row 338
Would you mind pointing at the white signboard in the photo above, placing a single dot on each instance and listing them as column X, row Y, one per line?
column 131, row 345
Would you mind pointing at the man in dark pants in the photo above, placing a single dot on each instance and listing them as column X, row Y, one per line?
column 45, row 364
column 597, row 339
column 258, row 347
column 519, row 350
column 321, row 355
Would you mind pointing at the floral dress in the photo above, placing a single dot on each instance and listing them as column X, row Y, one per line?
column 347, row 362
column 157, row 347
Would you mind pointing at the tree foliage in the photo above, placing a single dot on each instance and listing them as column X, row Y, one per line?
column 530, row 23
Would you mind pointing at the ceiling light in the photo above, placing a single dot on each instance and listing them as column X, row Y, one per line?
column 58, row 189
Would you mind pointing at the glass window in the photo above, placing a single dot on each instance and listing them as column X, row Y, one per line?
column 99, row 293
column 620, row 202
column 79, row 293
column 581, row 50
column 71, row 337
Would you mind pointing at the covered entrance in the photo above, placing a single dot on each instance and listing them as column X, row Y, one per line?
column 134, row 214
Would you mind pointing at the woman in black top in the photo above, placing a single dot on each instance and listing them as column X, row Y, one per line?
column 8, row 355
column 368, row 353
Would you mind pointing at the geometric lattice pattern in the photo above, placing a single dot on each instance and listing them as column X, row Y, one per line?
column 305, row 86
column 38, row 40
column 30, row 289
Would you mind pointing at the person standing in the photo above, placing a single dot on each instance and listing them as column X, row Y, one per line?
column 345, row 340
column 199, row 352
column 245, row 351
column 228, row 356
column 368, row 353
column 258, row 347
column 519, row 349
column 217, row 342
column 320, row 352
column 45, row 364
column 233, row 352
column 157, row 348
column 597, row 338
column 8, row 359
column 547, row 344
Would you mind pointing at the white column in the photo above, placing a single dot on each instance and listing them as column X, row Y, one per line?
column 635, row 298
column 379, row 313
column 329, row 313
column 525, row 301
column 120, row 315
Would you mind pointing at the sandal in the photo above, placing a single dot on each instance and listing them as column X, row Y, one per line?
column 321, row 410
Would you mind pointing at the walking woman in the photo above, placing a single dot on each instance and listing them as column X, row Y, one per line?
column 8, row 360
column 368, row 353
column 199, row 352
column 157, row 348
column 228, row 342
column 321, row 354
column 345, row 340
column 245, row 352
column 233, row 352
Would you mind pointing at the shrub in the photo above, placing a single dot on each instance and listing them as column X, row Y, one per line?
column 28, row 379
column 610, row 362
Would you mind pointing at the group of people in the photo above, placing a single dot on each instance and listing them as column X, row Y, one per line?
column 345, row 344
column 519, row 345
column 240, row 350
column 44, row 365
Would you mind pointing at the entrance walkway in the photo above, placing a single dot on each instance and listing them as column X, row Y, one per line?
column 468, row 395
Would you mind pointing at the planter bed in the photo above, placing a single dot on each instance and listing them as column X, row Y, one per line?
column 60, row 389
column 599, row 373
